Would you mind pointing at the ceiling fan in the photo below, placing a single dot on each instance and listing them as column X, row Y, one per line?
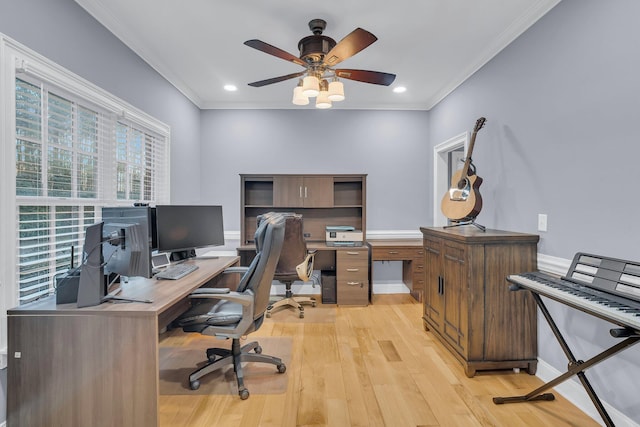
column 318, row 55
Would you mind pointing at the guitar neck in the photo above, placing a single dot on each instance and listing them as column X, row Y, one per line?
column 467, row 162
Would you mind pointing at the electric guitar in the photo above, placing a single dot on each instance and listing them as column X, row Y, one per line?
column 463, row 201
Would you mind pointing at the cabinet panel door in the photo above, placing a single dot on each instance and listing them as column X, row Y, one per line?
column 288, row 191
column 317, row 191
column 455, row 294
column 433, row 302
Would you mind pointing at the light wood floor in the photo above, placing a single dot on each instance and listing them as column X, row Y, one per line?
column 373, row 366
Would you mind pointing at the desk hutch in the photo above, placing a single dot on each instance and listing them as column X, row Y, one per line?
column 322, row 200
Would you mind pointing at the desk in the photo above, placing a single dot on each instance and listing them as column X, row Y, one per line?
column 348, row 263
column 410, row 252
column 96, row 366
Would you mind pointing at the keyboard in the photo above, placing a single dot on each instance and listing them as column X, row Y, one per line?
column 613, row 308
column 176, row 271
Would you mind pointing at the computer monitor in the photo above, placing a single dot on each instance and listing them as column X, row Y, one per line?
column 92, row 286
column 184, row 228
column 124, row 245
column 125, row 259
column 126, row 250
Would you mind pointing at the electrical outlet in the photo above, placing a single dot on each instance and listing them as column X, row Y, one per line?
column 542, row 222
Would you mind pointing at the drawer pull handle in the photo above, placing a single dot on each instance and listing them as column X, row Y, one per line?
column 353, row 283
column 353, row 270
column 393, row 252
column 352, row 253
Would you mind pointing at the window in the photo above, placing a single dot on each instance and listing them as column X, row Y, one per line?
column 64, row 148
column 68, row 148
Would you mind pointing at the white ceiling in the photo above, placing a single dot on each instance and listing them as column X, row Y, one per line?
column 431, row 45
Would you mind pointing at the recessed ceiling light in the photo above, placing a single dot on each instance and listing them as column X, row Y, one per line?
column 399, row 89
column 230, row 88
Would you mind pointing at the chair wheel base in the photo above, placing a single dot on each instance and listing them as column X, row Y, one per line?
column 244, row 394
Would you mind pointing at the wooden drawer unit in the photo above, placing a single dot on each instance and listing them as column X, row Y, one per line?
column 352, row 272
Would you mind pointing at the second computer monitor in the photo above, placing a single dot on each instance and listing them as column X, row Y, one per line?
column 184, row 228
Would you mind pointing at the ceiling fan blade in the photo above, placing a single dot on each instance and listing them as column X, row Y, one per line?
column 276, row 79
column 375, row 77
column 353, row 43
column 272, row 50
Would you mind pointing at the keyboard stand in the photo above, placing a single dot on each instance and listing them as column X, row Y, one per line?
column 576, row 367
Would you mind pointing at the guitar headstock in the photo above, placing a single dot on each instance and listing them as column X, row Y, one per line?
column 479, row 124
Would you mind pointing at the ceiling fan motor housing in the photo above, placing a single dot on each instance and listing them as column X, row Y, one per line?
column 314, row 48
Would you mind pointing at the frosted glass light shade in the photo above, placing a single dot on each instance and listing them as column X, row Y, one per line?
column 298, row 97
column 323, row 101
column 310, row 86
column 336, row 91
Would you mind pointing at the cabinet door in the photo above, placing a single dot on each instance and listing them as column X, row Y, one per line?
column 433, row 300
column 288, row 191
column 455, row 294
column 317, row 191
column 303, row 191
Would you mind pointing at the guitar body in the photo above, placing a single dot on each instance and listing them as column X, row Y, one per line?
column 465, row 203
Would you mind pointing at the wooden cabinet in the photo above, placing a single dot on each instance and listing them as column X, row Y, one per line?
column 352, row 272
column 321, row 199
column 303, row 191
column 467, row 302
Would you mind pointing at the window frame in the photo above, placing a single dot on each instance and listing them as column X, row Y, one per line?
column 17, row 60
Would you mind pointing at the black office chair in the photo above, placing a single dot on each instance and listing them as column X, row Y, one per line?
column 222, row 313
column 296, row 263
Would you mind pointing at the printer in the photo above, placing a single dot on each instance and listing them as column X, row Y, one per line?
column 343, row 235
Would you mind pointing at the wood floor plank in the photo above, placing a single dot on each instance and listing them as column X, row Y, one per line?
column 371, row 366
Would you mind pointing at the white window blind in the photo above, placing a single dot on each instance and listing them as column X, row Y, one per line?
column 72, row 158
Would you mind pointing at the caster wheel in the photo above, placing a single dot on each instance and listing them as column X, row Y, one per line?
column 302, row 314
column 282, row 368
column 244, row 394
column 194, row 385
column 268, row 314
column 258, row 350
column 313, row 304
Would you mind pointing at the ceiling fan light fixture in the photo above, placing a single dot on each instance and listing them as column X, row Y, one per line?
column 336, row 91
column 323, row 101
column 310, row 86
column 298, row 97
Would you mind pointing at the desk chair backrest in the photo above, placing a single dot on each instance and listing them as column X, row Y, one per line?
column 294, row 250
column 269, row 238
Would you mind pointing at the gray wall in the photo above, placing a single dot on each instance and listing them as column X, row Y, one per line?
column 392, row 147
column 563, row 107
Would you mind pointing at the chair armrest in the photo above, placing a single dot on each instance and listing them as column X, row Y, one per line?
column 205, row 291
column 231, row 270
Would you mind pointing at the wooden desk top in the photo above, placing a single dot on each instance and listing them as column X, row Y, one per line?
column 395, row 243
column 320, row 246
column 163, row 293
